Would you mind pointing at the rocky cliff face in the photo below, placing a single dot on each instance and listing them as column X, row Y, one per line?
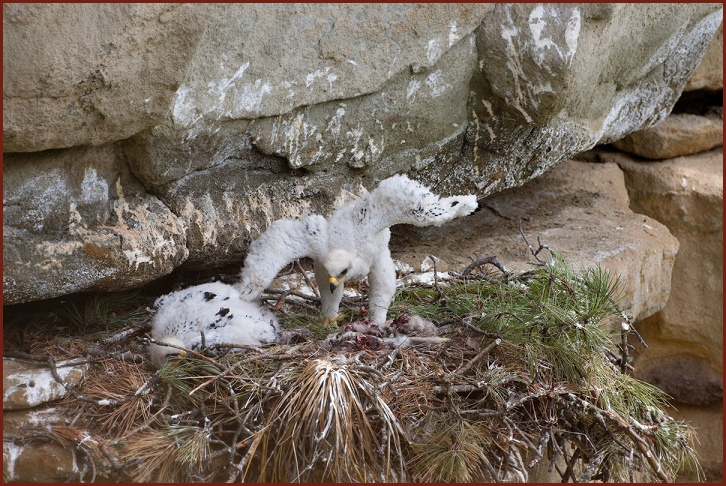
column 142, row 138
column 139, row 138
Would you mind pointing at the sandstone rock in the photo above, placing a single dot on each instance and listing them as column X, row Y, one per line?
column 257, row 112
column 578, row 209
column 685, row 339
column 330, row 127
column 222, row 213
column 686, row 195
column 679, row 134
column 708, row 424
column 77, row 220
column 26, row 386
column 34, row 462
column 40, row 446
column 547, row 105
column 42, row 416
column 91, row 74
column 45, row 445
column 45, row 462
column 709, row 73
column 686, row 379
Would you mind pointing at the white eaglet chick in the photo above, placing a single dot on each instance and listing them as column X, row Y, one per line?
column 352, row 244
column 215, row 308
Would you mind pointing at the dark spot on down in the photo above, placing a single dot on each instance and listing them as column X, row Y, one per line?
column 454, row 203
column 223, row 311
column 209, row 296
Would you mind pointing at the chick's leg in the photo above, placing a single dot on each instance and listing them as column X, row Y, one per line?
column 382, row 282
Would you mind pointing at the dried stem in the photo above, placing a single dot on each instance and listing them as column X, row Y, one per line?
column 436, row 277
column 307, row 280
column 492, row 260
column 478, row 357
column 534, row 252
column 628, row 429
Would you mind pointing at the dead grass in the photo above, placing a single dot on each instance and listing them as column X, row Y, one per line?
column 328, row 426
column 113, row 379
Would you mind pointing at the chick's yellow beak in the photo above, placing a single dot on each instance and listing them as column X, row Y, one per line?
column 178, row 360
column 334, row 282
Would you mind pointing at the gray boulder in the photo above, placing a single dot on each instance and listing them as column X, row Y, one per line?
column 88, row 74
column 77, row 220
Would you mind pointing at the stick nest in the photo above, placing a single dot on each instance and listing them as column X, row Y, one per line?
column 535, row 373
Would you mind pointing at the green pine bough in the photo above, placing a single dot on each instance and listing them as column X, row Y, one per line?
column 557, row 383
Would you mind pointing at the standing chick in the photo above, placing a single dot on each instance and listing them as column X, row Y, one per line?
column 352, row 244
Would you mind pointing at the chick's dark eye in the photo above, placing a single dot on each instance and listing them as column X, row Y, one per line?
column 344, row 272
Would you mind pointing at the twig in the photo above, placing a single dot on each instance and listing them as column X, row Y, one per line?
column 102, row 354
column 436, row 278
column 280, row 301
column 625, row 327
column 589, row 472
column 296, row 293
column 487, row 465
column 556, row 455
column 539, row 450
column 534, row 252
column 513, row 424
column 147, row 424
column 50, row 362
column 124, row 334
column 481, row 413
column 628, row 429
column 248, row 347
column 492, row 260
column 213, row 379
column 240, row 467
column 631, row 476
column 299, row 303
column 188, row 351
column 530, row 396
column 307, row 280
column 601, row 421
column 480, row 331
column 391, row 357
column 637, row 334
column 475, row 359
column 455, row 388
column 571, row 461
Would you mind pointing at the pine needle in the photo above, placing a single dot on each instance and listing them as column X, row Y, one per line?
column 326, row 425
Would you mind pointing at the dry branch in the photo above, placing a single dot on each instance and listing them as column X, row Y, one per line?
column 492, row 260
